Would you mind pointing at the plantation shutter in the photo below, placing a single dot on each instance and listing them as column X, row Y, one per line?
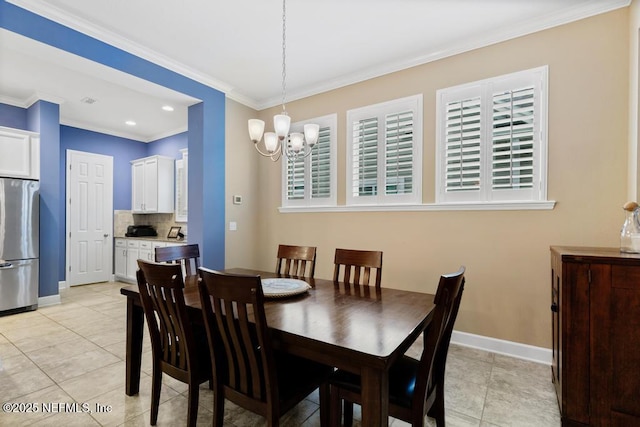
column 462, row 145
column 365, row 157
column 399, row 153
column 513, row 139
column 321, row 165
column 295, row 178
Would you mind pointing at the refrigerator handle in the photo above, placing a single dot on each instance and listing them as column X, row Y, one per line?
column 5, row 265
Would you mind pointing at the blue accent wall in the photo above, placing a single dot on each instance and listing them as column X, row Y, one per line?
column 13, row 117
column 169, row 146
column 44, row 117
column 205, row 137
column 122, row 150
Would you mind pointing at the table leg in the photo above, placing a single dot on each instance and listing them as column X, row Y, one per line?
column 375, row 397
column 135, row 326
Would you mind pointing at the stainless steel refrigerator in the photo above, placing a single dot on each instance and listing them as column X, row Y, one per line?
column 19, row 248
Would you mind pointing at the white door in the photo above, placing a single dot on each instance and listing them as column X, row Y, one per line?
column 89, row 218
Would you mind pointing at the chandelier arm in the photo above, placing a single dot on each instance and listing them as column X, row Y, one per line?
column 267, row 154
column 290, row 154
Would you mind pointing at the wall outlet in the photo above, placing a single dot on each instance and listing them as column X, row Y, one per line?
column 233, row 226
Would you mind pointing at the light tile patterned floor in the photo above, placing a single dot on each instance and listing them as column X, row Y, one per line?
column 74, row 353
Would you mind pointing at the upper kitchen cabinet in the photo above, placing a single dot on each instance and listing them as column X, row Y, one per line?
column 182, row 168
column 19, row 154
column 153, row 185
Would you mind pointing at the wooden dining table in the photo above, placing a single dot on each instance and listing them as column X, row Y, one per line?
column 360, row 329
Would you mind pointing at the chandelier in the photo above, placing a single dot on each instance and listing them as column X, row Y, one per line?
column 295, row 145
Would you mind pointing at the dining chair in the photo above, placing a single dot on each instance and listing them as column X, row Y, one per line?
column 178, row 347
column 293, row 260
column 357, row 266
column 188, row 256
column 416, row 387
column 246, row 369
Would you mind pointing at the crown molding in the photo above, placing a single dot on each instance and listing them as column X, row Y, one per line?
column 55, row 14
column 501, row 35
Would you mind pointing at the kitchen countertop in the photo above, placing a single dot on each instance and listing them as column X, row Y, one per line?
column 154, row 239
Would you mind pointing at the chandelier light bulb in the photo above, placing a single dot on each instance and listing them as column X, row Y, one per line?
column 311, row 133
column 281, row 124
column 270, row 142
column 297, row 140
column 256, row 129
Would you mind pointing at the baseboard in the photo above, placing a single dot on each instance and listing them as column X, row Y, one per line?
column 49, row 300
column 508, row 348
column 62, row 285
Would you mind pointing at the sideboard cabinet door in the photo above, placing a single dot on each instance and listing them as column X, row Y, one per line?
column 596, row 336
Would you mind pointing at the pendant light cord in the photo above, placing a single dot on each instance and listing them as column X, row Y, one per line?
column 284, row 47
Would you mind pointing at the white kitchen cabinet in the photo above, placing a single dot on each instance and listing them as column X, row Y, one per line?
column 152, row 189
column 129, row 251
column 133, row 253
column 146, row 251
column 19, row 154
column 182, row 174
column 121, row 258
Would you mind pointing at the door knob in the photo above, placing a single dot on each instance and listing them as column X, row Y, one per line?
column 106, row 235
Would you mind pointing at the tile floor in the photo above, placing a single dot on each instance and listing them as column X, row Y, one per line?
column 74, row 353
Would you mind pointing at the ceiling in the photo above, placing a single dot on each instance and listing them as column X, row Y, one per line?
column 236, row 47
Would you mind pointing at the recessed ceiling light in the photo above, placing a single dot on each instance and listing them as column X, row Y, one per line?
column 167, row 108
column 130, row 123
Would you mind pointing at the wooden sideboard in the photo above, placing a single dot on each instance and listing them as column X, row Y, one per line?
column 596, row 335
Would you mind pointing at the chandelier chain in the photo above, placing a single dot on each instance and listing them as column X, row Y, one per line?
column 284, row 48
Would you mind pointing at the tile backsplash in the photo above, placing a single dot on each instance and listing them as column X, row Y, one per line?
column 161, row 222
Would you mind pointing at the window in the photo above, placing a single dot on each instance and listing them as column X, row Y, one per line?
column 384, row 153
column 492, row 139
column 311, row 181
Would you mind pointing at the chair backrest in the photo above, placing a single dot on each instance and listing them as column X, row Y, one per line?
column 293, row 260
column 188, row 256
column 357, row 266
column 229, row 304
column 438, row 335
column 161, row 292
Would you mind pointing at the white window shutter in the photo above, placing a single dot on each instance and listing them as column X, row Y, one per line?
column 311, row 180
column 321, row 165
column 365, row 157
column 492, row 139
column 384, row 153
column 399, row 153
column 462, row 145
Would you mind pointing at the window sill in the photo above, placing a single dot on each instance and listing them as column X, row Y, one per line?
column 477, row 206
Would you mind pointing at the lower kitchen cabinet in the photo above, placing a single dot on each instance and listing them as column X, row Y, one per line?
column 127, row 252
column 596, row 330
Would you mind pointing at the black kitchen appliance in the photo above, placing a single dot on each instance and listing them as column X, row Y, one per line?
column 140, row 231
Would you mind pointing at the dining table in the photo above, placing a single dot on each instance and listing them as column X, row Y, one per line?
column 360, row 329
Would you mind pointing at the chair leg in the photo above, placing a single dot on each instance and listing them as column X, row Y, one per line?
column 325, row 403
column 437, row 408
column 335, row 407
column 192, row 411
column 218, row 407
column 348, row 413
column 156, row 387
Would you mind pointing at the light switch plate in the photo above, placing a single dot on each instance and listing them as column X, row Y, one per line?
column 237, row 200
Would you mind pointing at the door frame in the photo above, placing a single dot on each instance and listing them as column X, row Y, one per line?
column 67, row 265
